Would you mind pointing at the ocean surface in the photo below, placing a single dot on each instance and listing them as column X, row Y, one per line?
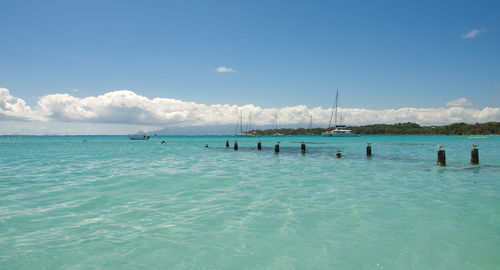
column 107, row 202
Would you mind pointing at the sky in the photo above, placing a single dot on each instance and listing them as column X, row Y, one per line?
column 116, row 67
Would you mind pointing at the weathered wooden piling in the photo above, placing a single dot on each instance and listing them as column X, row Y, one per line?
column 303, row 147
column 368, row 149
column 259, row 145
column 235, row 145
column 474, row 154
column 277, row 147
column 227, row 143
column 441, row 156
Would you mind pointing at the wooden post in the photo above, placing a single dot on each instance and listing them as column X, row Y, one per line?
column 277, row 147
column 236, row 145
column 474, row 154
column 368, row 150
column 259, row 145
column 227, row 143
column 303, row 147
column 441, row 156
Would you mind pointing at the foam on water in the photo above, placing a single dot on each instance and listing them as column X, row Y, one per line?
column 109, row 202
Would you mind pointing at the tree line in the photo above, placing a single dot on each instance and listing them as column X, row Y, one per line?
column 397, row 129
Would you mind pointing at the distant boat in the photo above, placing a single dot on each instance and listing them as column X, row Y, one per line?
column 310, row 126
column 139, row 137
column 340, row 130
column 276, row 133
column 240, row 126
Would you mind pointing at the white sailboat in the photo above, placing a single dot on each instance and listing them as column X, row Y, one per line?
column 340, row 130
column 240, row 126
column 276, row 133
column 310, row 126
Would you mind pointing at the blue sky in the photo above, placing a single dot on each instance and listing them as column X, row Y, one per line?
column 380, row 54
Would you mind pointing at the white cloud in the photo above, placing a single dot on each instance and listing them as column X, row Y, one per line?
column 459, row 102
column 225, row 69
column 118, row 110
column 13, row 108
column 472, row 33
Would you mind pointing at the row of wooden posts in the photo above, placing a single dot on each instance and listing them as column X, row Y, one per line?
column 441, row 160
column 441, row 155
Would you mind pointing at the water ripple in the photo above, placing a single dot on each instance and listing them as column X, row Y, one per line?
column 114, row 203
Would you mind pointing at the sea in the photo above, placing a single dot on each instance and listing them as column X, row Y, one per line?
column 108, row 202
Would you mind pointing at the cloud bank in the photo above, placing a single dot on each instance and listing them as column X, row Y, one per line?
column 125, row 107
column 472, row 33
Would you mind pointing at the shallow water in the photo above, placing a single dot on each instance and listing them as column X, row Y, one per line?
column 109, row 202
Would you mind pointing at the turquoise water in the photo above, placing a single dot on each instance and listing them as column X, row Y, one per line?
column 109, row 202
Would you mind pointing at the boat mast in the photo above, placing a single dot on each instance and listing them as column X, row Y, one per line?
column 310, row 123
column 341, row 119
column 336, row 106
column 331, row 116
column 250, row 121
column 241, row 121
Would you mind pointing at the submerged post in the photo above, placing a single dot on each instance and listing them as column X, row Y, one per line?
column 441, row 156
column 474, row 154
column 235, row 145
column 277, row 147
column 259, row 145
column 368, row 149
column 227, row 143
column 303, row 147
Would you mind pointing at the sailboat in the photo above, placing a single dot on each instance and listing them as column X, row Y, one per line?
column 340, row 130
column 310, row 126
column 276, row 133
column 240, row 126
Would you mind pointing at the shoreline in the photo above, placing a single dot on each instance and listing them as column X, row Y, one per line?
column 258, row 136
